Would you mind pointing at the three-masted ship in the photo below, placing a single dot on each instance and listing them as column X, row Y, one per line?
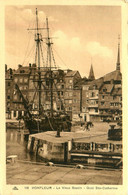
column 51, row 119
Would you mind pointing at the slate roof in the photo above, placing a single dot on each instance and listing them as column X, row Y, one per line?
column 115, row 75
column 25, row 70
column 98, row 83
column 108, row 87
column 71, row 73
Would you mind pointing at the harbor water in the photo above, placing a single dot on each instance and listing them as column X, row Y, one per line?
column 17, row 145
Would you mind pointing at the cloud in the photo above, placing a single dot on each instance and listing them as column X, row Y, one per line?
column 95, row 48
column 65, row 42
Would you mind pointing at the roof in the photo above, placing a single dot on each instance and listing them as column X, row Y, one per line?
column 117, row 91
column 108, row 87
column 72, row 73
column 98, row 83
column 115, row 75
column 23, row 69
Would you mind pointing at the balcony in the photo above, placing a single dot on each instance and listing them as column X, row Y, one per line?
column 93, row 98
column 93, row 106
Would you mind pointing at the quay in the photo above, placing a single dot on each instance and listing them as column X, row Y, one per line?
column 88, row 147
column 34, row 173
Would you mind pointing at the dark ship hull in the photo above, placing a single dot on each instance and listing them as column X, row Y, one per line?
column 47, row 124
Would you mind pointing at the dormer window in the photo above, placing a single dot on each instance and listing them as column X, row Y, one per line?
column 94, row 86
column 104, row 90
column 22, row 71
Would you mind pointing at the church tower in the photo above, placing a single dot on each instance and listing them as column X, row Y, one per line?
column 91, row 74
column 118, row 55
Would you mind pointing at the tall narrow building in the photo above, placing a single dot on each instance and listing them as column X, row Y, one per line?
column 118, row 56
column 91, row 74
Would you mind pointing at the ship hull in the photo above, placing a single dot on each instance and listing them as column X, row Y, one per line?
column 42, row 125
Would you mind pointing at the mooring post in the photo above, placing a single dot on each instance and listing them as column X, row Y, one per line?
column 58, row 131
column 110, row 147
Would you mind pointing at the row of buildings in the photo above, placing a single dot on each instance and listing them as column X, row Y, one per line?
column 85, row 99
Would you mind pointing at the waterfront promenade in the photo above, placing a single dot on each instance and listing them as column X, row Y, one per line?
column 28, row 173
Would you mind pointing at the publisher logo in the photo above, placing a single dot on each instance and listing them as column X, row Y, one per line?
column 15, row 188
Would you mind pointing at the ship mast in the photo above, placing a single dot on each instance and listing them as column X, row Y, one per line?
column 49, row 43
column 38, row 40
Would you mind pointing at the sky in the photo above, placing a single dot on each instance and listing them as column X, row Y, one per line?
column 81, row 35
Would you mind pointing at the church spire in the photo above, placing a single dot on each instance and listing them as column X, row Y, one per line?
column 118, row 55
column 91, row 74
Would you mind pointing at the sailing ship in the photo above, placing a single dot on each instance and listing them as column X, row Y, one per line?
column 51, row 119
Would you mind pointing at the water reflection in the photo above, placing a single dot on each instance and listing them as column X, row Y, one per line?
column 16, row 145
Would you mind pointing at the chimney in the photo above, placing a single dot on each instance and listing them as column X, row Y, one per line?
column 6, row 67
column 19, row 66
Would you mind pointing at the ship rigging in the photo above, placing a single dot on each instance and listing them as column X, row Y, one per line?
column 45, row 120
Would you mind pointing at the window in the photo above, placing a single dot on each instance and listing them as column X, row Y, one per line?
column 102, row 96
column 92, row 94
column 96, row 109
column 21, row 80
column 70, row 94
column 15, row 80
column 104, row 90
column 85, row 87
column 21, row 87
column 22, row 71
column 25, row 87
column 114, row 97
column 62, row 107
column 58, row 108
column 8, row 83
column 70, row 101
column 62, row 86
column 70, row 108
column 14, row 114
column 15, row 97
column 75, row 100
column 8, row 97
column 102, row 103
column 25, row 80
column 8, row 104
column 94, row 86
column 62, row 93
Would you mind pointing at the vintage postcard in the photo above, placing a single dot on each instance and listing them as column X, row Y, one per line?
column 64, row 97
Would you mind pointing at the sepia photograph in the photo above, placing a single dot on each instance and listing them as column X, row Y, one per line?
column 63, row 97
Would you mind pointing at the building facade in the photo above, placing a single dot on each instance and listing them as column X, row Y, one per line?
column 83, row 99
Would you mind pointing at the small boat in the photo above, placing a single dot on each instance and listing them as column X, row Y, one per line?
column 115, row 133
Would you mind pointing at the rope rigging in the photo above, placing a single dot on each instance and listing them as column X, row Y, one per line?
column 42, row 55
column 60, row 58
column 53, row 58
